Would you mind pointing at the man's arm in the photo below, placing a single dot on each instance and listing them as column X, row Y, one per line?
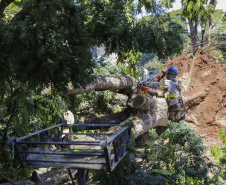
column 155, row 93
column 156, row 85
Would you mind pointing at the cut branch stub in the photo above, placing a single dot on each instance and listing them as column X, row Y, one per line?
column 141, row 102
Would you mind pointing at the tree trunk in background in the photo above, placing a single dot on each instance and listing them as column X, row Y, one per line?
column 193, row 36
column 206, row 33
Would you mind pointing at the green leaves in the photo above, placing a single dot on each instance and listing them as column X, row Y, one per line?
column 48, row 44
column 159, row 35
column 195, row 9
column 220, row 154
column 222, row 134
column 175, row 156
column 179, row 151
column 153, row 134
column 52, row 43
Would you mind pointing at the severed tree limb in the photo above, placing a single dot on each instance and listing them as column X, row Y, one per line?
column 150, row 112
column 153, row 114
column 145, row 112
column 105, row 83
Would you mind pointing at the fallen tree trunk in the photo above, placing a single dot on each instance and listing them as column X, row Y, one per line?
column 115, row 118
column 144, row 111
column 152, row 114
column 156, row 116
column 105, row 83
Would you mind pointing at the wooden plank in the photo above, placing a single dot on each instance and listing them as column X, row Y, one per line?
column 76, row 133
column 18, row 154
column 115, row 150
column 38, row 132
column 61, row 143
column 124, row 142
column 93, row 153
column 94, row 125
column 74, row 161
column 81, row 177
column 68, row 165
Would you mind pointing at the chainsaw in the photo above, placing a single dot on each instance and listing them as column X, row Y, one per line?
column 144, row 91
column 147, row 91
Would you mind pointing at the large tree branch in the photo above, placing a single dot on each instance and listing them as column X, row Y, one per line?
column 145, row 112
column 4, row 4
column 154, row 114
column 106, row 83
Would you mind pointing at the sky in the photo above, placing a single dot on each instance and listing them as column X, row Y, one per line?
column 221, row 4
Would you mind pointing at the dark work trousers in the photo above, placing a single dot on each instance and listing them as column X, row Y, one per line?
column 176, row 113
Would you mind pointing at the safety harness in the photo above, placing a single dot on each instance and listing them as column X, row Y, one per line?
column 180, row 105
column 172, row 95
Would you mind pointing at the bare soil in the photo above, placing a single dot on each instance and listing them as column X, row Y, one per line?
column 204, row 93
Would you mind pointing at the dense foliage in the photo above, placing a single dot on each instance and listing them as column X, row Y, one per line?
column 49, row 43
column 220, row 154
column 217, row 47
column 176, row 156
column 151, row 62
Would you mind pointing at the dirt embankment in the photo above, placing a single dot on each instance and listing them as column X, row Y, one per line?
column 204, row 93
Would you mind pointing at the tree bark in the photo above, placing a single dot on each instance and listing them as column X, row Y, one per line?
column 193, row 36
column 144, row 116
column 105, row 83
column 145, row 112
column 206, row 33
column 155, row 114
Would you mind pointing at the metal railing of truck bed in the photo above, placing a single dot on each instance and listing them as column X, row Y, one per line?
column 88, row 149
